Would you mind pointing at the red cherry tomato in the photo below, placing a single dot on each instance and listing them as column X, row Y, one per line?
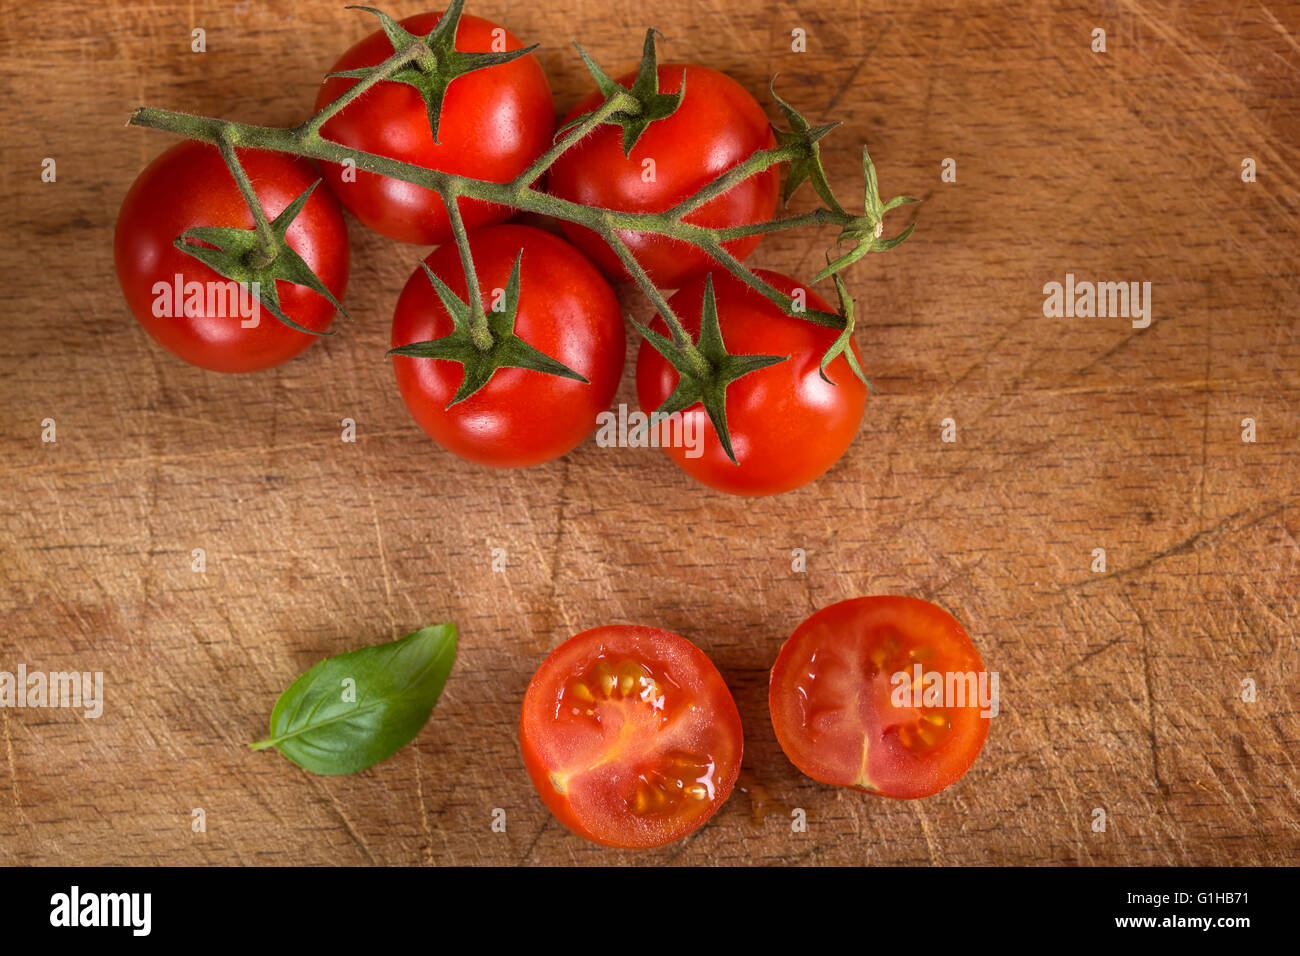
column 566, row 310
column 189, row 185
column 494, row 122
column 835, row 697
column 717, row 126
column 788, row 425
column 630, row 736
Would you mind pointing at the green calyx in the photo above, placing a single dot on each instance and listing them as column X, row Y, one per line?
column 246, row 256
column 867, row 230
column 643, row 104
column 808, row 166
column 435, row 62
column 707, row 385
column 482, row 355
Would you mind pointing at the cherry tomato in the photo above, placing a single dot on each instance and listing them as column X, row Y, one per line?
column 845, row 710
column 787, row 424
column 494, row 122
column 630, row 736
column 566, row 310
column 189, row 185
column 717, row 126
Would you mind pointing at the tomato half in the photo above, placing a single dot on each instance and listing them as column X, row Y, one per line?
column 717, row 126
column 494, row 122
column 566, row 310
column 630, row 736
column 188, row 186
column 844, row 716
column 788, row 425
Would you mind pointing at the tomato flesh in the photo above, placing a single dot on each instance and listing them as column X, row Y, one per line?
column 630, row 736
column 838, row 710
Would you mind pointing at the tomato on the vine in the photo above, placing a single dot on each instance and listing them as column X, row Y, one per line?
column 630, row 736
column 846, row 704
column 190, row 186
column 494, row 122
column 566, row 310
column 788, row 425
column 717, row 126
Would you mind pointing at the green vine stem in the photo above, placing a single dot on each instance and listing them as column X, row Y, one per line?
column 759, row 161
column 656, row 297
column 614, row 104
column 310, row 129
column 267, row 244
column 478, row 328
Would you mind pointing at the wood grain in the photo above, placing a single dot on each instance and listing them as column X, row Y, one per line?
column 1121, row 690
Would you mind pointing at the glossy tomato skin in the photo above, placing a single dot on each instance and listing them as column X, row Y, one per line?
column 630, row 736
column 787, row 424
column 567, row 310
column 494, row 123
column 189, row 185
column 832, row 706
column 717, row 126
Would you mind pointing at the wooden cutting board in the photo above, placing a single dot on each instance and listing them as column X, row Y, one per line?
column 1121, row 690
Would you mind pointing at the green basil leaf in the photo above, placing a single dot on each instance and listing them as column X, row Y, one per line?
column 354, row 710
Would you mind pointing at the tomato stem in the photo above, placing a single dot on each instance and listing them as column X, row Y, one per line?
column 787, row 304
column 311, row 128
column 268, row 247
column 755, row 164
column 683, row 341
column 614, row 104
column 818, row 217
column 479, row 332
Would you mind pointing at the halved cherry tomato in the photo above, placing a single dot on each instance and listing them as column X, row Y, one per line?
column 835, row 693
column 630, row 736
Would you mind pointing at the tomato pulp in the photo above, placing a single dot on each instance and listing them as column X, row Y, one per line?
column 844, row 715
column 630, row 736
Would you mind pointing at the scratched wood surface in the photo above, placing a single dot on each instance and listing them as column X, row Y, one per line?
column 1121, row 690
